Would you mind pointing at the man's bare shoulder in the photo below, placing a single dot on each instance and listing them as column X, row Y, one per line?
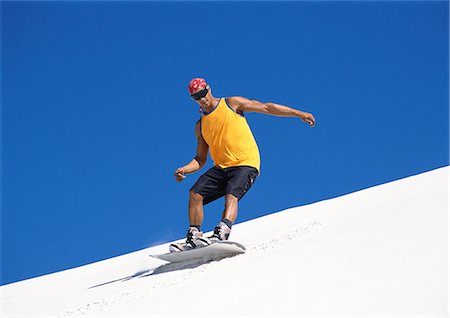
column 236, row 102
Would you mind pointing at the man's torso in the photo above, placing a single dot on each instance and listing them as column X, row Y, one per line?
column 229, row 137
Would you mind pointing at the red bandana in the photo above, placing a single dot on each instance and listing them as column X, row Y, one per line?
column 196, row 84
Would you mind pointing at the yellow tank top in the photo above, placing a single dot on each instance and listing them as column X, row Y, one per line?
column 230, row 140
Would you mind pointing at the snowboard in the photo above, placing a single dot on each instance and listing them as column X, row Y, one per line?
column 213, row 252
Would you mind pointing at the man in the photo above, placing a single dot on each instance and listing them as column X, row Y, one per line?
column 224, row 130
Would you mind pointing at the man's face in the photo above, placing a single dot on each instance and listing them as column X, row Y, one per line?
column 203, row 97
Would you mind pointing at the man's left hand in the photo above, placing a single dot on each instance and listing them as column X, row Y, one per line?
column 308, row 118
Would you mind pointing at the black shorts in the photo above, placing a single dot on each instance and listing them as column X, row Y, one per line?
column 216, row 182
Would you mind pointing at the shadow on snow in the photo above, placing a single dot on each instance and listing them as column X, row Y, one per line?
column 165, row 268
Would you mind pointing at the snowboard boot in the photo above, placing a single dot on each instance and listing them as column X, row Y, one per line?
column 221, row 233
column 194, row 239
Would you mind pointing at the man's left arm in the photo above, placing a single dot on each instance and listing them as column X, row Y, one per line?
column 242, row 104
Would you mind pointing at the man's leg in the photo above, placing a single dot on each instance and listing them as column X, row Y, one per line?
column 231, row 208
column 240, row 179
column 195, row 208
column 209, row 187
column 194, row 234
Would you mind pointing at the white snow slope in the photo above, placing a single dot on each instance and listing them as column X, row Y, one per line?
column 382, row 251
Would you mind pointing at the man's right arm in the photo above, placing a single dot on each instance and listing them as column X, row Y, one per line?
column 199, row 160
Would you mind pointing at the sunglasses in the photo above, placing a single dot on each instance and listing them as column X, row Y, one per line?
column 200, row 94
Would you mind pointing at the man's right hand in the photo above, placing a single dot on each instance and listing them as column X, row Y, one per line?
column 179, row 174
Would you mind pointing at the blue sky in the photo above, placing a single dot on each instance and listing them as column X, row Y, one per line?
column 96, row 115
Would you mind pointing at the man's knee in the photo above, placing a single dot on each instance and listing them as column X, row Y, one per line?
column 231, row 199
column 195, row 197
